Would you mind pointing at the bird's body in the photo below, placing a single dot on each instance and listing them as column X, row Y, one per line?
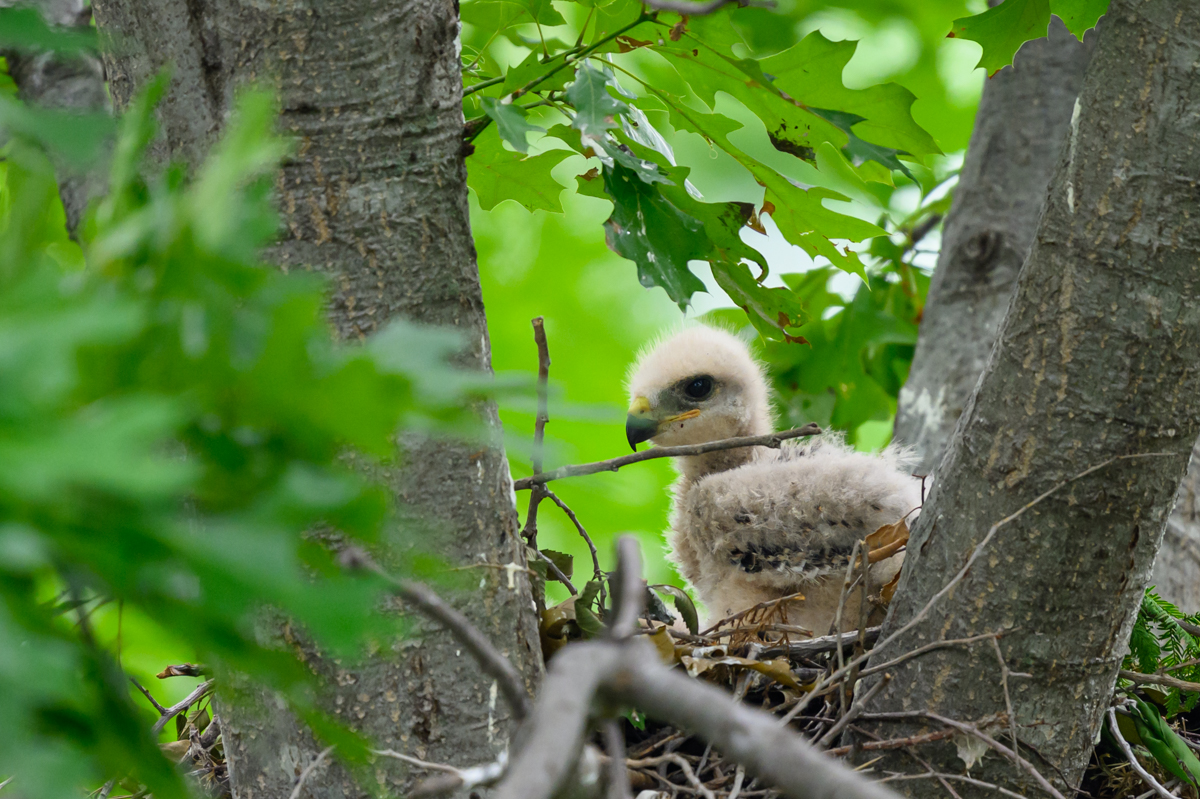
column 755, row 524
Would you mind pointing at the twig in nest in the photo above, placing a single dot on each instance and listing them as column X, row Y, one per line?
column 166, row 714
column 557, row 572
column 309, row 769
column 773, row 440
column 956, row 778
column 688, row 772
column 894, row 743
column 770, row 604
column 425, row 600
column 1146, row 776
column 975, row 732
column 455, row 779
column 850, row 715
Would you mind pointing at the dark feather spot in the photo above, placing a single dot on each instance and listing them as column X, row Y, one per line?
column 742, row 518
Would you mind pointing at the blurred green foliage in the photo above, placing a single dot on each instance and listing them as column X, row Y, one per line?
column 173, row 423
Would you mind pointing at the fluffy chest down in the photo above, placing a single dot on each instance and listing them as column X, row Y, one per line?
column 785, row 522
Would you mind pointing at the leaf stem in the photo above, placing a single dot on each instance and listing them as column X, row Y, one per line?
column 483, row 84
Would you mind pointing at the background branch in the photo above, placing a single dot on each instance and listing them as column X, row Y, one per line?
column 773, row 440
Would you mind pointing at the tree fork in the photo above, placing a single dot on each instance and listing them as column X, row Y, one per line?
column 375, row 198
column 1096, row 359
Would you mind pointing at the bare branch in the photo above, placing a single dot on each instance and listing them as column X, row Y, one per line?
column 773, row 440
column 204, row 689
column 975, row 732
column 551, row 565
column 1133, row 761
column 894, row 743
column 425, row 600
column 543, row 391
column 596, row 573
column 309, row 769
column 454, row 779
column 817, row 646
column 614, row 745
column 1160, row 679
column 628, row 592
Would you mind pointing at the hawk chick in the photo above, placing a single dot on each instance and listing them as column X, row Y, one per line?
column 757, row 523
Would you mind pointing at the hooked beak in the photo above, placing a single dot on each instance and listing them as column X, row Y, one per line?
column 642, row 425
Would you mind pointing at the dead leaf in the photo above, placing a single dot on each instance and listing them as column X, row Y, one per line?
column 886, row 541
column 777, row 669
column 888, row 591
column 665, row 646
column 182, row 670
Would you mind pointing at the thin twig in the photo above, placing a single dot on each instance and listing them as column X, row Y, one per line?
column 614, row 746
column 684, row 766
column 201, row 691
column 974, row 731
column 1160, row 679
column 894, row 743
column 1008, row 708
column 1146, row 776
column 455, row 779
column 957, row 778
column 773, row 440
column 10, row 779
column 853, row 713
column 690, row 9
column 770, row 603
column 551, row 565
column 161, row 710
column 309, row 769
column 424, row 599
column 921, row 650
column 596, row 573
column 543, row 391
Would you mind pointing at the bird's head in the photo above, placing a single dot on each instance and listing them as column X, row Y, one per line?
column 700, row 384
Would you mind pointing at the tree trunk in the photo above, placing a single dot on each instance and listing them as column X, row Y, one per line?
column 376, row 199
column 75, row 83
column 1096, row 360
column 1019, row 131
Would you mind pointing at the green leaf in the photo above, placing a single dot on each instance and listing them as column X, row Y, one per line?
column 24, row 28
column 497, row 175
column 595, row 109
column 542, row 12
column 1002, row 30
column 564, row 562
column 799, row 211
column 533, row 68
column 683, row 604
column 510, row 122
column 1079, row 15
column 648, row 230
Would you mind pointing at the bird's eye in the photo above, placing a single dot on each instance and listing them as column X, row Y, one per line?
column 699, row 388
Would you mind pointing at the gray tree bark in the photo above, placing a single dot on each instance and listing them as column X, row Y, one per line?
column 376, row 199
column 1019, row 131
column 1096, row 359
column 74, row 83
column 1022, row 123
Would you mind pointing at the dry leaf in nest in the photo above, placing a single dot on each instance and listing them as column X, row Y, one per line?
column 886, row 541
column 888, row 591
column 778, row 669
column 176, row 750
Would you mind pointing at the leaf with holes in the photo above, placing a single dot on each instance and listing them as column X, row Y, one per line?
column 595, row 109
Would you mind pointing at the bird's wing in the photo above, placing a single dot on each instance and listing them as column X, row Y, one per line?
column 796, row 516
